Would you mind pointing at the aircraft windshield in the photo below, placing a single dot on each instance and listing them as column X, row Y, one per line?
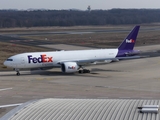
column 9, row 59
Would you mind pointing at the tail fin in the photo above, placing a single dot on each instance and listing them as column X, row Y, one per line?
column 129, row 41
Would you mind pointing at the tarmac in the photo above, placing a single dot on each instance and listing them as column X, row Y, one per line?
column 128, row 79
column 136, row 79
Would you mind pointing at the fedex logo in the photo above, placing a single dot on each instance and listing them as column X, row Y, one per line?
column 41, row 59
column 130, row 41
column 71, row 67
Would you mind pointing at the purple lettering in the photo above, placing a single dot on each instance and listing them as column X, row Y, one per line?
column 41, row 59
column 29, row 58
column 34, row 60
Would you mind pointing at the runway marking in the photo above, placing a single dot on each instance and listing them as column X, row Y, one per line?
column 146, row 97
column 5, row 89
column 10, row 105
column 102, row 97
column 37, row 97
column 17, row 96
column 59, row 96
column 124, row 97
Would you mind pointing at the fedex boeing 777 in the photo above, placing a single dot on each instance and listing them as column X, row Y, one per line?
column 73, row 61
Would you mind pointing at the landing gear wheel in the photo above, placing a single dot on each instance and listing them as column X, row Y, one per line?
column 18, row 73
column 88, row 71
column 17, row 70
column 81, row 71
column 84, row 71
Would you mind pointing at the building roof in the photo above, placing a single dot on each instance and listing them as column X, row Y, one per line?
column 83, row 109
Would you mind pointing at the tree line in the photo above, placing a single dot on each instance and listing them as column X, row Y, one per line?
column 14, row 18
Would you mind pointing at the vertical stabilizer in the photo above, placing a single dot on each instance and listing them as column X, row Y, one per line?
column 130, row 40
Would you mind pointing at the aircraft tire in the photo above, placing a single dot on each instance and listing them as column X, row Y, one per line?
column 81, row 71
column 18, row 74
column 86, row 71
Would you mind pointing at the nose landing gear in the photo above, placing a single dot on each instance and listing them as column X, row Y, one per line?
column 17, row 70
column 18, row 73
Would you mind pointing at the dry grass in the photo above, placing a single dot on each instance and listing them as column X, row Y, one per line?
column 100, row 40
column 44, row 29
column 8, row 49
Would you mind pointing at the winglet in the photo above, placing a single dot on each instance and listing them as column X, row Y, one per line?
column 129, row 41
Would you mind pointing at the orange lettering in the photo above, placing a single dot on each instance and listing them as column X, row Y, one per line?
column 50, row 59
column 44, row 58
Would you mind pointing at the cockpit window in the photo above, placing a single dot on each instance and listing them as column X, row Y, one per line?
column 9, row 59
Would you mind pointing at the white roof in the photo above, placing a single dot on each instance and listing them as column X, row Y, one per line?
column 82, row 109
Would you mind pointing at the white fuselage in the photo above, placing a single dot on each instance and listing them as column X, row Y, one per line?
column 51, row 59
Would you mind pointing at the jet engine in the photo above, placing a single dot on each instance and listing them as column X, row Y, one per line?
column 69, row 67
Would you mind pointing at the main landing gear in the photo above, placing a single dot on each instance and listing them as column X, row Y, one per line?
column 83, row 70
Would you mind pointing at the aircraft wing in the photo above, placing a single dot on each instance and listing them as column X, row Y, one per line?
column 95, row 61
column 88, row 61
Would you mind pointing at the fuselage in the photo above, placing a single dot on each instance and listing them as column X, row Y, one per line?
column 49, row 59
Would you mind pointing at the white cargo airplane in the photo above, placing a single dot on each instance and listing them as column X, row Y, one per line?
column 73, row 61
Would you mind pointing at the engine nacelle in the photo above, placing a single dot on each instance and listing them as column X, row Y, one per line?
column 69, row 67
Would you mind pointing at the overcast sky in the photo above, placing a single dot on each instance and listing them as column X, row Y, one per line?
column 78, row 4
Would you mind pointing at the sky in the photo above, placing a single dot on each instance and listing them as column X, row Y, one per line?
column 78, row 4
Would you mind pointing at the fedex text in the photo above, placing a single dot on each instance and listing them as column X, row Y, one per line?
column 41, row 59
column 130, row 41
column 71, row 67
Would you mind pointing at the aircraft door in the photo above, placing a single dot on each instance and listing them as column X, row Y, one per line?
column 23, row 61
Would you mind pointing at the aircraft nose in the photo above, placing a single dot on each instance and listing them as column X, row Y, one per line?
column 5, row 63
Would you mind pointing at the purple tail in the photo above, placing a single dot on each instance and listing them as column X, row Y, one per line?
column 129, row 41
